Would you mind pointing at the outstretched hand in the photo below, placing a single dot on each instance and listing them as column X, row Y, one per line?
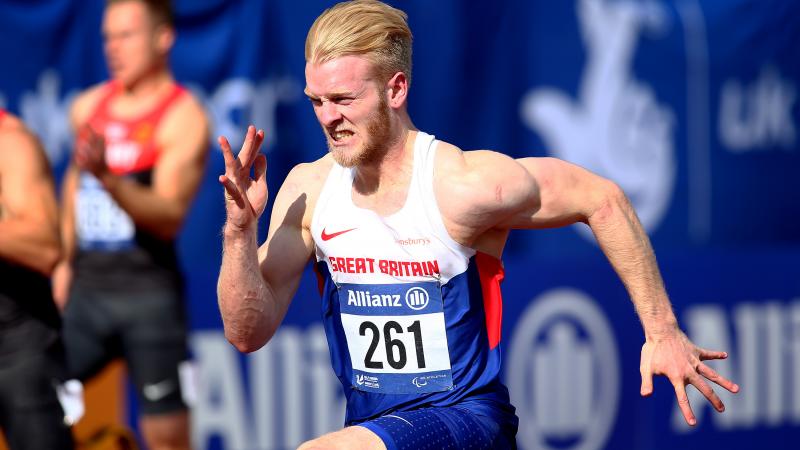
column 677, row 358
column 245, row 197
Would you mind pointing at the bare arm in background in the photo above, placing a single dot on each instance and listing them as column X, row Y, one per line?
column 28, row 211
column 62, row 274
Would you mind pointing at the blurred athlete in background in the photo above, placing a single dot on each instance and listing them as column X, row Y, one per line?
column 31, row 353
column 139, row 158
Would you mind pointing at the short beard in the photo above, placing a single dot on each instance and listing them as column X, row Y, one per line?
column 378, row 136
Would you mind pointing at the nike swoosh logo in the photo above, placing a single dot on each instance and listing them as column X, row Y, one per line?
column 157, row 391
column 326, row 237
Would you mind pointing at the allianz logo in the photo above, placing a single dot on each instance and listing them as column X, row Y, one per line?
column 415, row 298
column 367, row 299
column 563, row 373
column 564, row 369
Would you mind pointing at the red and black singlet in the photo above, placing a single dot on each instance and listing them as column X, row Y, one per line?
column 113, row 253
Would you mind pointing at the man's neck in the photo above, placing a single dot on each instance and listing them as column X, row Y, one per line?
column 392, row 168
column 152, row 83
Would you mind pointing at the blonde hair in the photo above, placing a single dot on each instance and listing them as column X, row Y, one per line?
column 367, row 28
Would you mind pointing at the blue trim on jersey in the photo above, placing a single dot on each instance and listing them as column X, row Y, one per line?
column 475, row 368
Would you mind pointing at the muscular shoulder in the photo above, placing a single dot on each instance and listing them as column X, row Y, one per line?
column 185, row 119
column 491, row 187
column 19, row 147
column 186, row 110
column 310, row 175
column 11, row 124
column 15, row 138
column 83, row 105
column 483, row 176
column 300, row 190
column 307, row 179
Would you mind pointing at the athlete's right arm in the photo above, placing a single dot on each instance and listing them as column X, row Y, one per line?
column 255, row 285
column 62, row 274
column 28, row 212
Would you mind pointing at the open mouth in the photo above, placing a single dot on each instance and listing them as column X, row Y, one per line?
column 341, row 136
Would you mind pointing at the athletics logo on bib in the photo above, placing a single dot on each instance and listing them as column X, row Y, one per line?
column 396, row 337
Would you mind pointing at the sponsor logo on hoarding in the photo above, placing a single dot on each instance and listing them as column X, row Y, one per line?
column 563, row 373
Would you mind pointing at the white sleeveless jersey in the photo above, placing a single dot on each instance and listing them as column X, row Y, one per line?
column 412, row 317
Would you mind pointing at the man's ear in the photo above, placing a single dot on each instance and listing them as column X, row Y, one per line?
column 165, row 38
column 397, row 90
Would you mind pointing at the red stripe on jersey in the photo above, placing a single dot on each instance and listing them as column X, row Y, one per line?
column 491, row 273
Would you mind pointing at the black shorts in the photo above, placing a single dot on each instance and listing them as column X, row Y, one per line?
column 146, row 328
column 30, row 414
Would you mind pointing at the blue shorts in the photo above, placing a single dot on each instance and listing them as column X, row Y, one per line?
column 440, row 429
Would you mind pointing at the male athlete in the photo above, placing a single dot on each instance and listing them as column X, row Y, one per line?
column 31, row 353
column 139, row 158
column 407, row 233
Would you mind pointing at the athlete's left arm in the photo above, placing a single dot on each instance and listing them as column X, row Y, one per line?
column 28, row 212
column 549, row 193
column 183, row 137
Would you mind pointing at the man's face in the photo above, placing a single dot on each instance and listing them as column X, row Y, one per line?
column 131, row 41
column 351, row 106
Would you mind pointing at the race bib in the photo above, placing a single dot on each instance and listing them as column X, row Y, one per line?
column 100, row 223
column 396, row 337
